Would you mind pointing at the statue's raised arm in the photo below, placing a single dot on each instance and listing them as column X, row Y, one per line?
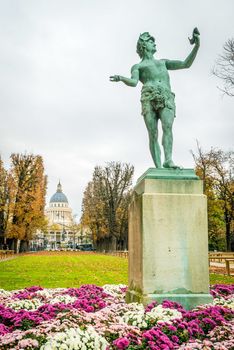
column 157, row 99
column 173, row 65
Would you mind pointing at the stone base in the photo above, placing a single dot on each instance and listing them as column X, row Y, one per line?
column 188, row 301
column 168, row 239
column 171, row 174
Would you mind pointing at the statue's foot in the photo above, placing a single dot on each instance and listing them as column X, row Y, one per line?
column 170, row 165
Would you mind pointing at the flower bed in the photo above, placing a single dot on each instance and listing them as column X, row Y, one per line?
column 92, row 317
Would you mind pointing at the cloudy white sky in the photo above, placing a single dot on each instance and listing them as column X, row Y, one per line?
column 56, row 99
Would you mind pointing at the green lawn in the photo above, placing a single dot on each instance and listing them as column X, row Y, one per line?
column 221, row 279
column 53, row 270
column 62, row 270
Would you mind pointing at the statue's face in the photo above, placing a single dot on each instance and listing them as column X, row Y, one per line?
column 150, row 45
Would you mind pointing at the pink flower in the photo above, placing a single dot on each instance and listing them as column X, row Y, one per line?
column 24, row 343
column 175, row 339
column 121, row 343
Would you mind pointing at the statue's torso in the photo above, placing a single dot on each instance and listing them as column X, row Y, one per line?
column 153, row 73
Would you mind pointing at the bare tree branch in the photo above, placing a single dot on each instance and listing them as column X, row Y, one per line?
column 224, row 68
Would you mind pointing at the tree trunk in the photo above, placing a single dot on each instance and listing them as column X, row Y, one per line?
column 18, row 245
column 12, row 244
column 113, row 243
column 106, row 244
column 100, row 245
column 228, row 229
column 125, row 244
column 228, row 236
column 24, row 245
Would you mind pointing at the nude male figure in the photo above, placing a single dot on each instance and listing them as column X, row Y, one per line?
column 157, row 99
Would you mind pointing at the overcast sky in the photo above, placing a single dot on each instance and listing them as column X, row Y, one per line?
column 56, row 99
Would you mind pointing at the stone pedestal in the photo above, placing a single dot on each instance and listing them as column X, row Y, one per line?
column 168, row 239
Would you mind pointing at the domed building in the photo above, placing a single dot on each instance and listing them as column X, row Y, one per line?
column 62, row 231
column 60, row 221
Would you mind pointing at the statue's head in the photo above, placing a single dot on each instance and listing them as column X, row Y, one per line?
column 142, row 43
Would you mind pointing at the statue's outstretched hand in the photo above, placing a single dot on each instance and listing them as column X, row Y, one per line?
column 195, row 37
column 115, row 78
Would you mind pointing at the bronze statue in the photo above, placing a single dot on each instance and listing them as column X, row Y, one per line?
column 157, row 99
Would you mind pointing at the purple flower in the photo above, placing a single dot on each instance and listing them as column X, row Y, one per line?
column 175, row 339
column 206, row 326
column 222, row 290
column 121, row 343
column 34, row 289
column 3, row 329
column 173, row 305
column 150, row 306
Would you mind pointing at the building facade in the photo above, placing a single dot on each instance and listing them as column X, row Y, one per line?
column 61, row 232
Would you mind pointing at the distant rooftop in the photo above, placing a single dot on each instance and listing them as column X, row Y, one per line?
column 59, row 196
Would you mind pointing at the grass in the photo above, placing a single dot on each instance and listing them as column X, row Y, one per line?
column 55, row 270
column 221, row 279
column 63, row 269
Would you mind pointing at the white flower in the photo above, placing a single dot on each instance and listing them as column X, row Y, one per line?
column 138, row 317
column 224, row 302
column 46, row 347
column 4, row 293
column 161, row 314
column 76, row 339
column 114, row 289
column 44, row 293
column 32, row 304
column 66, row 299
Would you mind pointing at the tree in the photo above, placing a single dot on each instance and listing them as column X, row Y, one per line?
column 28, row 198
column 224, row 68
column 6, row 201
column 74, row 228
column 216, row 169
column 105, row 205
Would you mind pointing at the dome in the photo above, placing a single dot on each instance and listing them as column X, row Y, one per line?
column 59, row 196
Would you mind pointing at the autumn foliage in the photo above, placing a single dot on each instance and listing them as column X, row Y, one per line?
column 105, row 205
column 23, row 190
column 216, row 168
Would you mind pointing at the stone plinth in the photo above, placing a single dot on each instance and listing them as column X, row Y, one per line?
column 168, row 239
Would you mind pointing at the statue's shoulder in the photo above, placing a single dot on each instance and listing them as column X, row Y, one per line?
column 135, row 67
column 162, row 60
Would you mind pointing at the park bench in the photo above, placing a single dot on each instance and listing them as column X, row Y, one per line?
column 221, row 256
column 227, row 262
column 4, row 254
column 121, row 253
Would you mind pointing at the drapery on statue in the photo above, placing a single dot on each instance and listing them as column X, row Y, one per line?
column 157, row 99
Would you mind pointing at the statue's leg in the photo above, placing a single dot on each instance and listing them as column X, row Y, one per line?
column 151, row 122
column 167, row 118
